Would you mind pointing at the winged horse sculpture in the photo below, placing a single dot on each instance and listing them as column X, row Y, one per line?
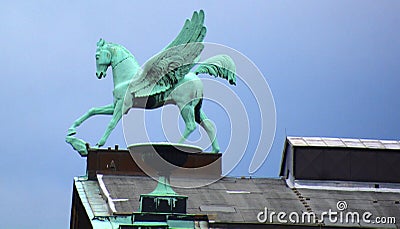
column 164, row 79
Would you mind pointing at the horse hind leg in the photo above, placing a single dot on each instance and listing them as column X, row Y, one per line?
column 208, row 126
column 187, row 113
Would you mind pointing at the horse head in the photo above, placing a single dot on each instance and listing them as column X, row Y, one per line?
column 103, row 59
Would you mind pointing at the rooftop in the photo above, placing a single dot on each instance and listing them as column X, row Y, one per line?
column 344, row 142
column 368, row 162
column 110, row 192
column 234, row 200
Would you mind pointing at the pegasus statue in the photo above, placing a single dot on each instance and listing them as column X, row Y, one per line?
column 166, row 78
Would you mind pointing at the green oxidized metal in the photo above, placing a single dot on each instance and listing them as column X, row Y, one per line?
column 165, row 78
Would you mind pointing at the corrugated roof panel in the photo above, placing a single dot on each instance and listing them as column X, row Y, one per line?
column 314, row 141
column 373, row 144
column 390, row 144
column 297, row 141
column 356, row 143
column 335, row 142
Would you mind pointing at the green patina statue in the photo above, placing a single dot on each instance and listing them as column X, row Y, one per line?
column 164, row 79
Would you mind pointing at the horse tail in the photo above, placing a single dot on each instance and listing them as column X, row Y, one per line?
column 219, row 66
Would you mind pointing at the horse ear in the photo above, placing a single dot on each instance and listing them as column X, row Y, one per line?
column 100, row 42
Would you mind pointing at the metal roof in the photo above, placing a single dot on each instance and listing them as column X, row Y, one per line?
column 344, row 142
column 235, row 200
column 341, row 159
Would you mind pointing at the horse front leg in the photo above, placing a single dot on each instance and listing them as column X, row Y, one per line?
column 117, row 115
column 105, row 110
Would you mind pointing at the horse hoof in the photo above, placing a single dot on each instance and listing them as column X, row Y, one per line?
column 215, row 151
column 71, row 131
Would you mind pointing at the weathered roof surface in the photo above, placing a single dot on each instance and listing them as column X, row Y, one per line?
column 246, row 197
column 92, row 197
column 377, row 203
column 344, row 142
column 239, row 200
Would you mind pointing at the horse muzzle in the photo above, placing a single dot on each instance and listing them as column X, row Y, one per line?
column 100, row 75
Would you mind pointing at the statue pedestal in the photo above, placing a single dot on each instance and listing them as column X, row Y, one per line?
column 167, row 163
column 115, row 161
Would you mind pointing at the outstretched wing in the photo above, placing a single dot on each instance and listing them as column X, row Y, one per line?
column 193, row 31
column 164, row 70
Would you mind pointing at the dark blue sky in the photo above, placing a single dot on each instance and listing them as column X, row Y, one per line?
column 332, row 66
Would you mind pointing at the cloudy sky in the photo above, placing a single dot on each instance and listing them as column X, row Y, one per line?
column 332, row 67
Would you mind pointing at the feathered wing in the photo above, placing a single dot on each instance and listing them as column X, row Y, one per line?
column 219, row 66
column 166, row 68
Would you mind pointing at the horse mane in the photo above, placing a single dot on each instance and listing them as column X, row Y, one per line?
column 124, row 49
column 119, row 46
